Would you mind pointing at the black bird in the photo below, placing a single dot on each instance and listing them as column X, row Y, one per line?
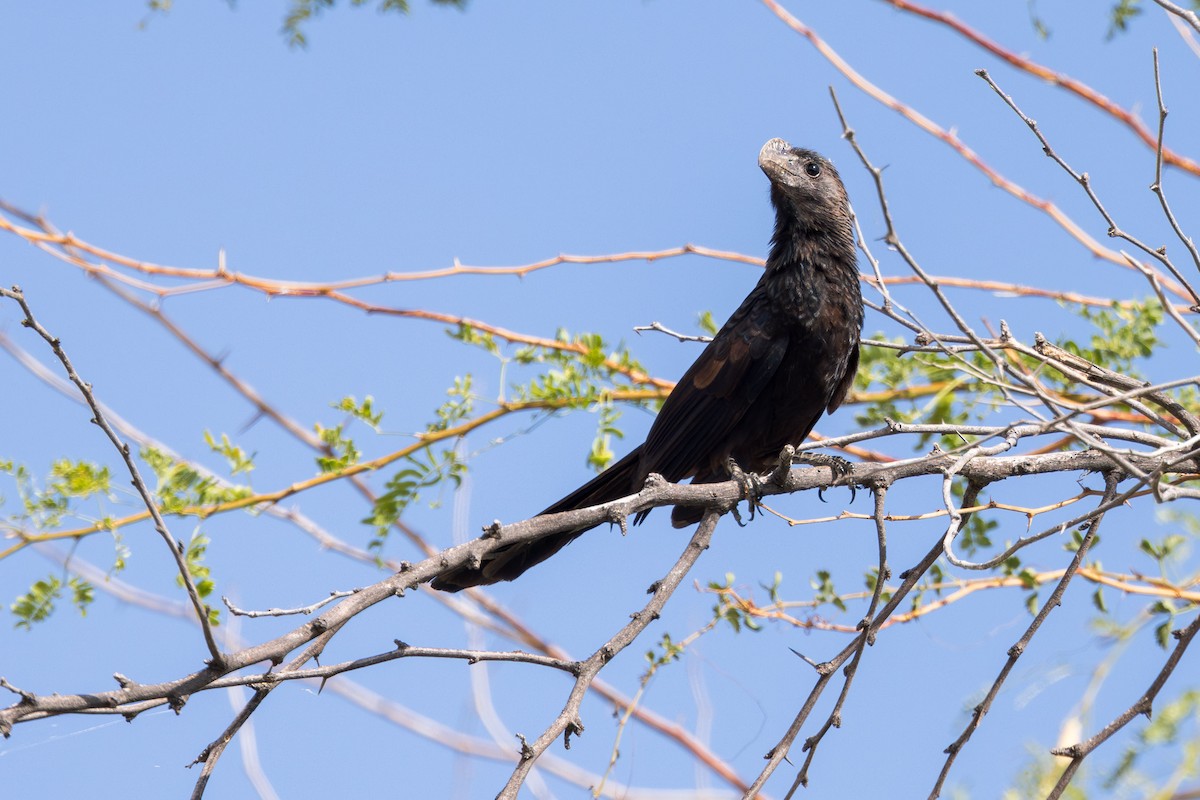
column 786, row 356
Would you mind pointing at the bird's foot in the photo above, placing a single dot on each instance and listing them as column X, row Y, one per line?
column 751, row 488
column 840, row 467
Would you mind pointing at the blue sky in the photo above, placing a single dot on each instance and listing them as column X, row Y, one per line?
column 505, row 134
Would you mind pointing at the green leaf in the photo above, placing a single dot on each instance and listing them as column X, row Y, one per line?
column 364, row 412
column 238, row 461
column 37, row 604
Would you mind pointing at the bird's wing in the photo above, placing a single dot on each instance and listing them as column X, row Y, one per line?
column 847, row 381
column 697, row 420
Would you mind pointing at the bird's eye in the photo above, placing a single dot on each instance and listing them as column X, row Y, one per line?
column 813, row 169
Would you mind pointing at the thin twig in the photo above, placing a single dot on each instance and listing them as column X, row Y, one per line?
column 216, row 659
column 568, row 722
column 1014, row 652
column 1144, row 705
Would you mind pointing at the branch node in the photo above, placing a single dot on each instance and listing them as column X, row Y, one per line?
column 526, row 751
column 574, row 728
column 177, row 702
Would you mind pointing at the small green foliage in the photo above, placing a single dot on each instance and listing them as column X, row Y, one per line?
column 668, row 651
column 66, row 482
column 736, row 617
column 1164, row 550
column 425, row 468
column 181, row 486
column 364, row 412
column 239, row 462
column 1076, row 541
column 824, row 591
column 1162, row 631
column 773, row 587
column 924, row 388
column 78, row 478
column 973, row 536
column 121, row 551
column 606, row 429
column 1120, row 15
column 1098, row 600
column 937, row 575
column 301, row 11
column 344, row 451
column 1039, row 25
column 193, row 556
column 38, row 603
column 469, row 335
column 1124, row 334
column 457, row 408
column 1028, row 578
column 583, row 375
column 707, row 323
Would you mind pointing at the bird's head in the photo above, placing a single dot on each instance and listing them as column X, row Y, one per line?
column 804, row 184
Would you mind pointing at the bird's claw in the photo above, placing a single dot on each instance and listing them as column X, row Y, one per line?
column 751, row 486
column 840, row 467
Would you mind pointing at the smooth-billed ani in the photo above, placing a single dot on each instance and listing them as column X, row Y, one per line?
column 787, row 355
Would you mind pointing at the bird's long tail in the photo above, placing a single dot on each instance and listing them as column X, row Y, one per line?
column 507, row 562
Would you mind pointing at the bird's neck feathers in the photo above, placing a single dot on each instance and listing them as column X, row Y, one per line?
column 800, row 242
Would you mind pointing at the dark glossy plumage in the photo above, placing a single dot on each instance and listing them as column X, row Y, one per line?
column 786, row 356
